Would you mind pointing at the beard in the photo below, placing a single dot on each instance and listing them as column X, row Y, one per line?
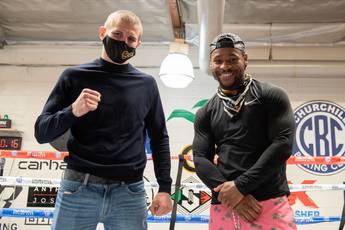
column 237, row 82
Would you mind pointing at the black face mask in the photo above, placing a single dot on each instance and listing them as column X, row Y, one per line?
column 117, row 51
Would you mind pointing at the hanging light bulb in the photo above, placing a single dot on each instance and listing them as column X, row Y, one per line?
column 176, row 70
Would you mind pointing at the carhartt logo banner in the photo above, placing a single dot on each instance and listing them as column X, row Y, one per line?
column 320, row 132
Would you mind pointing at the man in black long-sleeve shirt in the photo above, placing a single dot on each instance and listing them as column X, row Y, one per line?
column 249, row 126
column 108, row 105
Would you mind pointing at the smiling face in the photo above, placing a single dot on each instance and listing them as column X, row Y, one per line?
column 227, row 66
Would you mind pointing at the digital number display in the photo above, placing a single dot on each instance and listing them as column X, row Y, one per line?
column 10, row 143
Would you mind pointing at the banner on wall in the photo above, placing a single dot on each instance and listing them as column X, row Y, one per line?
column 320, row 131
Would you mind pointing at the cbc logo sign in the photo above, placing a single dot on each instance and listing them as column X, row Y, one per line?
column 320, row 132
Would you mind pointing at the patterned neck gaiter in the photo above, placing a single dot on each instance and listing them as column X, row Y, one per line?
column 233, row 104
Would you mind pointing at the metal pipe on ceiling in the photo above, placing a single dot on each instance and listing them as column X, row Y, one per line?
column 210, row 17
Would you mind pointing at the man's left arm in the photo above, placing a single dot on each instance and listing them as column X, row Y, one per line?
column 281, row 128
column 159, row 140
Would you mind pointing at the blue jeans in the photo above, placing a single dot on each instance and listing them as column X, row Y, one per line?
column 118, row 206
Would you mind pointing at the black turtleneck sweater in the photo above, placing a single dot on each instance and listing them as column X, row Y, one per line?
column 110, row 141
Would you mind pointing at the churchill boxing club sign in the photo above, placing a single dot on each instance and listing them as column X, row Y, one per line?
column 320, row 132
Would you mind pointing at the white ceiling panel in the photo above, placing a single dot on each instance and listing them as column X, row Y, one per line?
column 78, row 20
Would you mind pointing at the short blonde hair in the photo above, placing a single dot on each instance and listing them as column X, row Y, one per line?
column 123, row 16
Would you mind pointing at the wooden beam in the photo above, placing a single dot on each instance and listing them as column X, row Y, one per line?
column 177, row 24
column 174, row 13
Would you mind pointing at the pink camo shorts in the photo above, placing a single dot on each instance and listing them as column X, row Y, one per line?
column 276, row 215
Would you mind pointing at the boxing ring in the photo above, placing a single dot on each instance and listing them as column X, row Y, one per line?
column 46, row 182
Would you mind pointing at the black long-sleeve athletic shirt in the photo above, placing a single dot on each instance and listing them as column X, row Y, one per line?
column 110, row 141
column 253, row 146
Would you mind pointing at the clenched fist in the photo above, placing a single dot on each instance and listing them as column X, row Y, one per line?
column 87, row 101
column 161, row 204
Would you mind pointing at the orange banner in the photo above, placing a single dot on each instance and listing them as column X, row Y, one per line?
column 46, row 155
column 51, row 155
column 316, row 160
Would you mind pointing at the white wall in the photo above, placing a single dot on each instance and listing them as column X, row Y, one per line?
column 24, row 88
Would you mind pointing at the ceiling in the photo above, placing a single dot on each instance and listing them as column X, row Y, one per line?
column 257, row 21
column 296, row 37
column 277, row 21
column 76, row 20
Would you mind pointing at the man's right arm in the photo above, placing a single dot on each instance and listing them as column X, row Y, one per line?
column 56, row 117
column 204, row 151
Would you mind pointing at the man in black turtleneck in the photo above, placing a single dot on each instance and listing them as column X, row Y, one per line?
column 249, row 126
column 109, row 106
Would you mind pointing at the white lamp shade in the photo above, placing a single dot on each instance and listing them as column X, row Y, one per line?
column 176, row 71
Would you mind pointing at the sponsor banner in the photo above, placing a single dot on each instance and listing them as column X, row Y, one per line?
column 192, row 201
column 41, row 197
column 49, row 155
column 320, row 132
column 166, row 218
column 44, row 165
column 29, row 181
column 307, row 213
column 37, row 221
column 9, row 225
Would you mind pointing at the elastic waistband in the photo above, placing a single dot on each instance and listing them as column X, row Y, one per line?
column 73, row 175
